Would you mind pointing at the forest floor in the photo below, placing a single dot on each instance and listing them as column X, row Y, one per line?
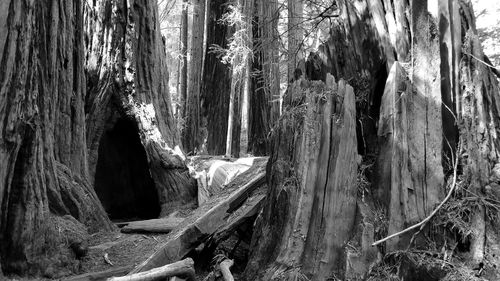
column 107, row 251
column 122, row 252
column 121, row 249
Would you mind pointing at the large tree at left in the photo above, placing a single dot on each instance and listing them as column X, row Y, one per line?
column 70, row 70
column 43, row 153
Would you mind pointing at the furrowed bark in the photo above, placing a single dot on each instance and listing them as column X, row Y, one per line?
column 310, row 210
column 42, row 143
column 128, row 80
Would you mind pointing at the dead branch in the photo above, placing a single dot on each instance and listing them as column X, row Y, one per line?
column 225, row 267
column 183, row 268
column 486, row 62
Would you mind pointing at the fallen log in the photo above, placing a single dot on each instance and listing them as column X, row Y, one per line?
column 249, row 209
column 214, row 174
column 208, row 218
column 163, row 225
column 101, row 275
column 175, row 278
column 183, row 268
column 225, row 269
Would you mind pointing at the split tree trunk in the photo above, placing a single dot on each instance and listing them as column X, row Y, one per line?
column 311, row 206
column 410, row 158
column 479, row 107
column 407, row 103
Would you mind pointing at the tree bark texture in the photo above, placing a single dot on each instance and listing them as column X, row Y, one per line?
column 184, row 64
column 265, row 97
column 311, row 206
column 247, row 10
column 216, row 82
column 43, row 149
column 410, row 131
column 192, row 138
column 420, row 87
column 127, row 78
column 479, row 107
column 295, row 36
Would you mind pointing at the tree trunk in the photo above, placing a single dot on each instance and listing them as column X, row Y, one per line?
column 414, row 102
column 410, row 158
column 295, row 37
column 265, row 97
column 311, row 205
column 191, row 138
column 184, row 64
column 216, row 81
column 128, row 84
column 479, row 105
column 248, row 14
column 231, row 115
column 44, row 172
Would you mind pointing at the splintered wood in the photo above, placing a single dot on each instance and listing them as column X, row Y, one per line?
column 311, row 209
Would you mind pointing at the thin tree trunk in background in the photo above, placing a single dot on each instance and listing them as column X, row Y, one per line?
column 295, row 36
column 247, row 9
column 216, row 85
column 265, row 97
column 230, row 118
column 191, row 134
column 245, row 108
column 269, row 16
column 184, row 61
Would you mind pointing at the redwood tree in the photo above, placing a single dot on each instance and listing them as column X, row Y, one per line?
column 427, row 110
column 44, row 172
column 71, row 71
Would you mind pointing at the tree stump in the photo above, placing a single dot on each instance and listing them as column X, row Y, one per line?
column 311, row 204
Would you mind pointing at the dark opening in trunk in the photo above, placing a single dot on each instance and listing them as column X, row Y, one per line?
column 123, row 181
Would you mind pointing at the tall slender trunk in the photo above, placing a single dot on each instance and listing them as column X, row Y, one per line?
column 191, row 137
column 269, row 16
column 184, row 60
column 295, row 37
column 248, row 10
column 230, row 118
column 216, row 86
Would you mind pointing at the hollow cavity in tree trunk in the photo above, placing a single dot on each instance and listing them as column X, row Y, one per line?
column 123, row 181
